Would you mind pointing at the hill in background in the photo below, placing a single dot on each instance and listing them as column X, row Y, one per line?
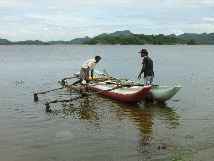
column 127, row 38
column 204, row 38
column 136, row 39
column 117, row 33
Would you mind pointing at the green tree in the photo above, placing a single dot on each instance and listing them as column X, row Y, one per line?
column 191, row 42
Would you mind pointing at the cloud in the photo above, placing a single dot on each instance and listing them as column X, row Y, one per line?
column 177, row 32
column 208, row 19
column 128, row 4
column 107, row 5
column 67, row 19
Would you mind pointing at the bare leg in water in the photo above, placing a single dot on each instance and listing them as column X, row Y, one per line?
column 153, row 99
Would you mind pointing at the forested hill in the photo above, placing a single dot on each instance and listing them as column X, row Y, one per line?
column 127, row 38
column 133, row 39
column 204, row 38
column 4, row 42
column 117, row 33
column 137, row 39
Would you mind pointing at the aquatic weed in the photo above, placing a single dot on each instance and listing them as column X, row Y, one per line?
column 19, row 82
column 181, row 155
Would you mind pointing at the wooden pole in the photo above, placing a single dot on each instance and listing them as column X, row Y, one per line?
column 36, row 94
column 69, row 78
column 63, row 82
column 47, row 104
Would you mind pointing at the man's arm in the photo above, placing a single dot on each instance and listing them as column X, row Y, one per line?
column 142, row 70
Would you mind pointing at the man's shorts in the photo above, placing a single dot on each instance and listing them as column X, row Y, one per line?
column 148, row 80
column 83, row 73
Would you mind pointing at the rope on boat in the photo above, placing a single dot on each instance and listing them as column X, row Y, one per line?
column 47, row 104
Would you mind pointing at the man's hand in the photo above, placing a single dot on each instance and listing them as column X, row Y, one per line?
column 139, row 76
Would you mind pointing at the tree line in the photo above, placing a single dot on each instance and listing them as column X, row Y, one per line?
column 139, row 39
column 135, row 39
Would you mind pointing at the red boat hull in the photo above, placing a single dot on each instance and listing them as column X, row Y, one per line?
column 128, row 98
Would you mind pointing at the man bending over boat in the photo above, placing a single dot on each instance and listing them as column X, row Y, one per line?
column 89, row 65
column 147, row 69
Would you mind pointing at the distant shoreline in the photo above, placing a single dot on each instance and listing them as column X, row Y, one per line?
column 127, row 38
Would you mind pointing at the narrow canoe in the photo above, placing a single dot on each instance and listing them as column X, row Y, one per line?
column 132, row 94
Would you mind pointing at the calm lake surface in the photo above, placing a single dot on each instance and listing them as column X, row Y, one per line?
column 98, row 128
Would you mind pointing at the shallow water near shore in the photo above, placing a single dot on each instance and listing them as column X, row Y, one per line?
column 98, row 128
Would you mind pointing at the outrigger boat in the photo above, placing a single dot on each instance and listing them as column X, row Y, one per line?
column 161, row 93
column 119, row 89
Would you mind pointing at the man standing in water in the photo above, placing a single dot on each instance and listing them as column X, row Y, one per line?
column 89, row 65
column 147, row 69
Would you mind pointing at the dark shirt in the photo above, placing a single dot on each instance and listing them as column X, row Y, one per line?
column 149, row 66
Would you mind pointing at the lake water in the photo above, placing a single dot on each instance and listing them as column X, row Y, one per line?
column 98, row 128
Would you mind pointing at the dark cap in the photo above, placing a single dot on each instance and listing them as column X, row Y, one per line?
column 97, row 57
column 144, row 51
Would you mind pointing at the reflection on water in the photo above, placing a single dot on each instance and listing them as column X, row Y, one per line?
column 143, row 116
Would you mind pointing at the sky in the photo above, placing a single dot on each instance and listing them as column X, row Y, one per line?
column 48, row 20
